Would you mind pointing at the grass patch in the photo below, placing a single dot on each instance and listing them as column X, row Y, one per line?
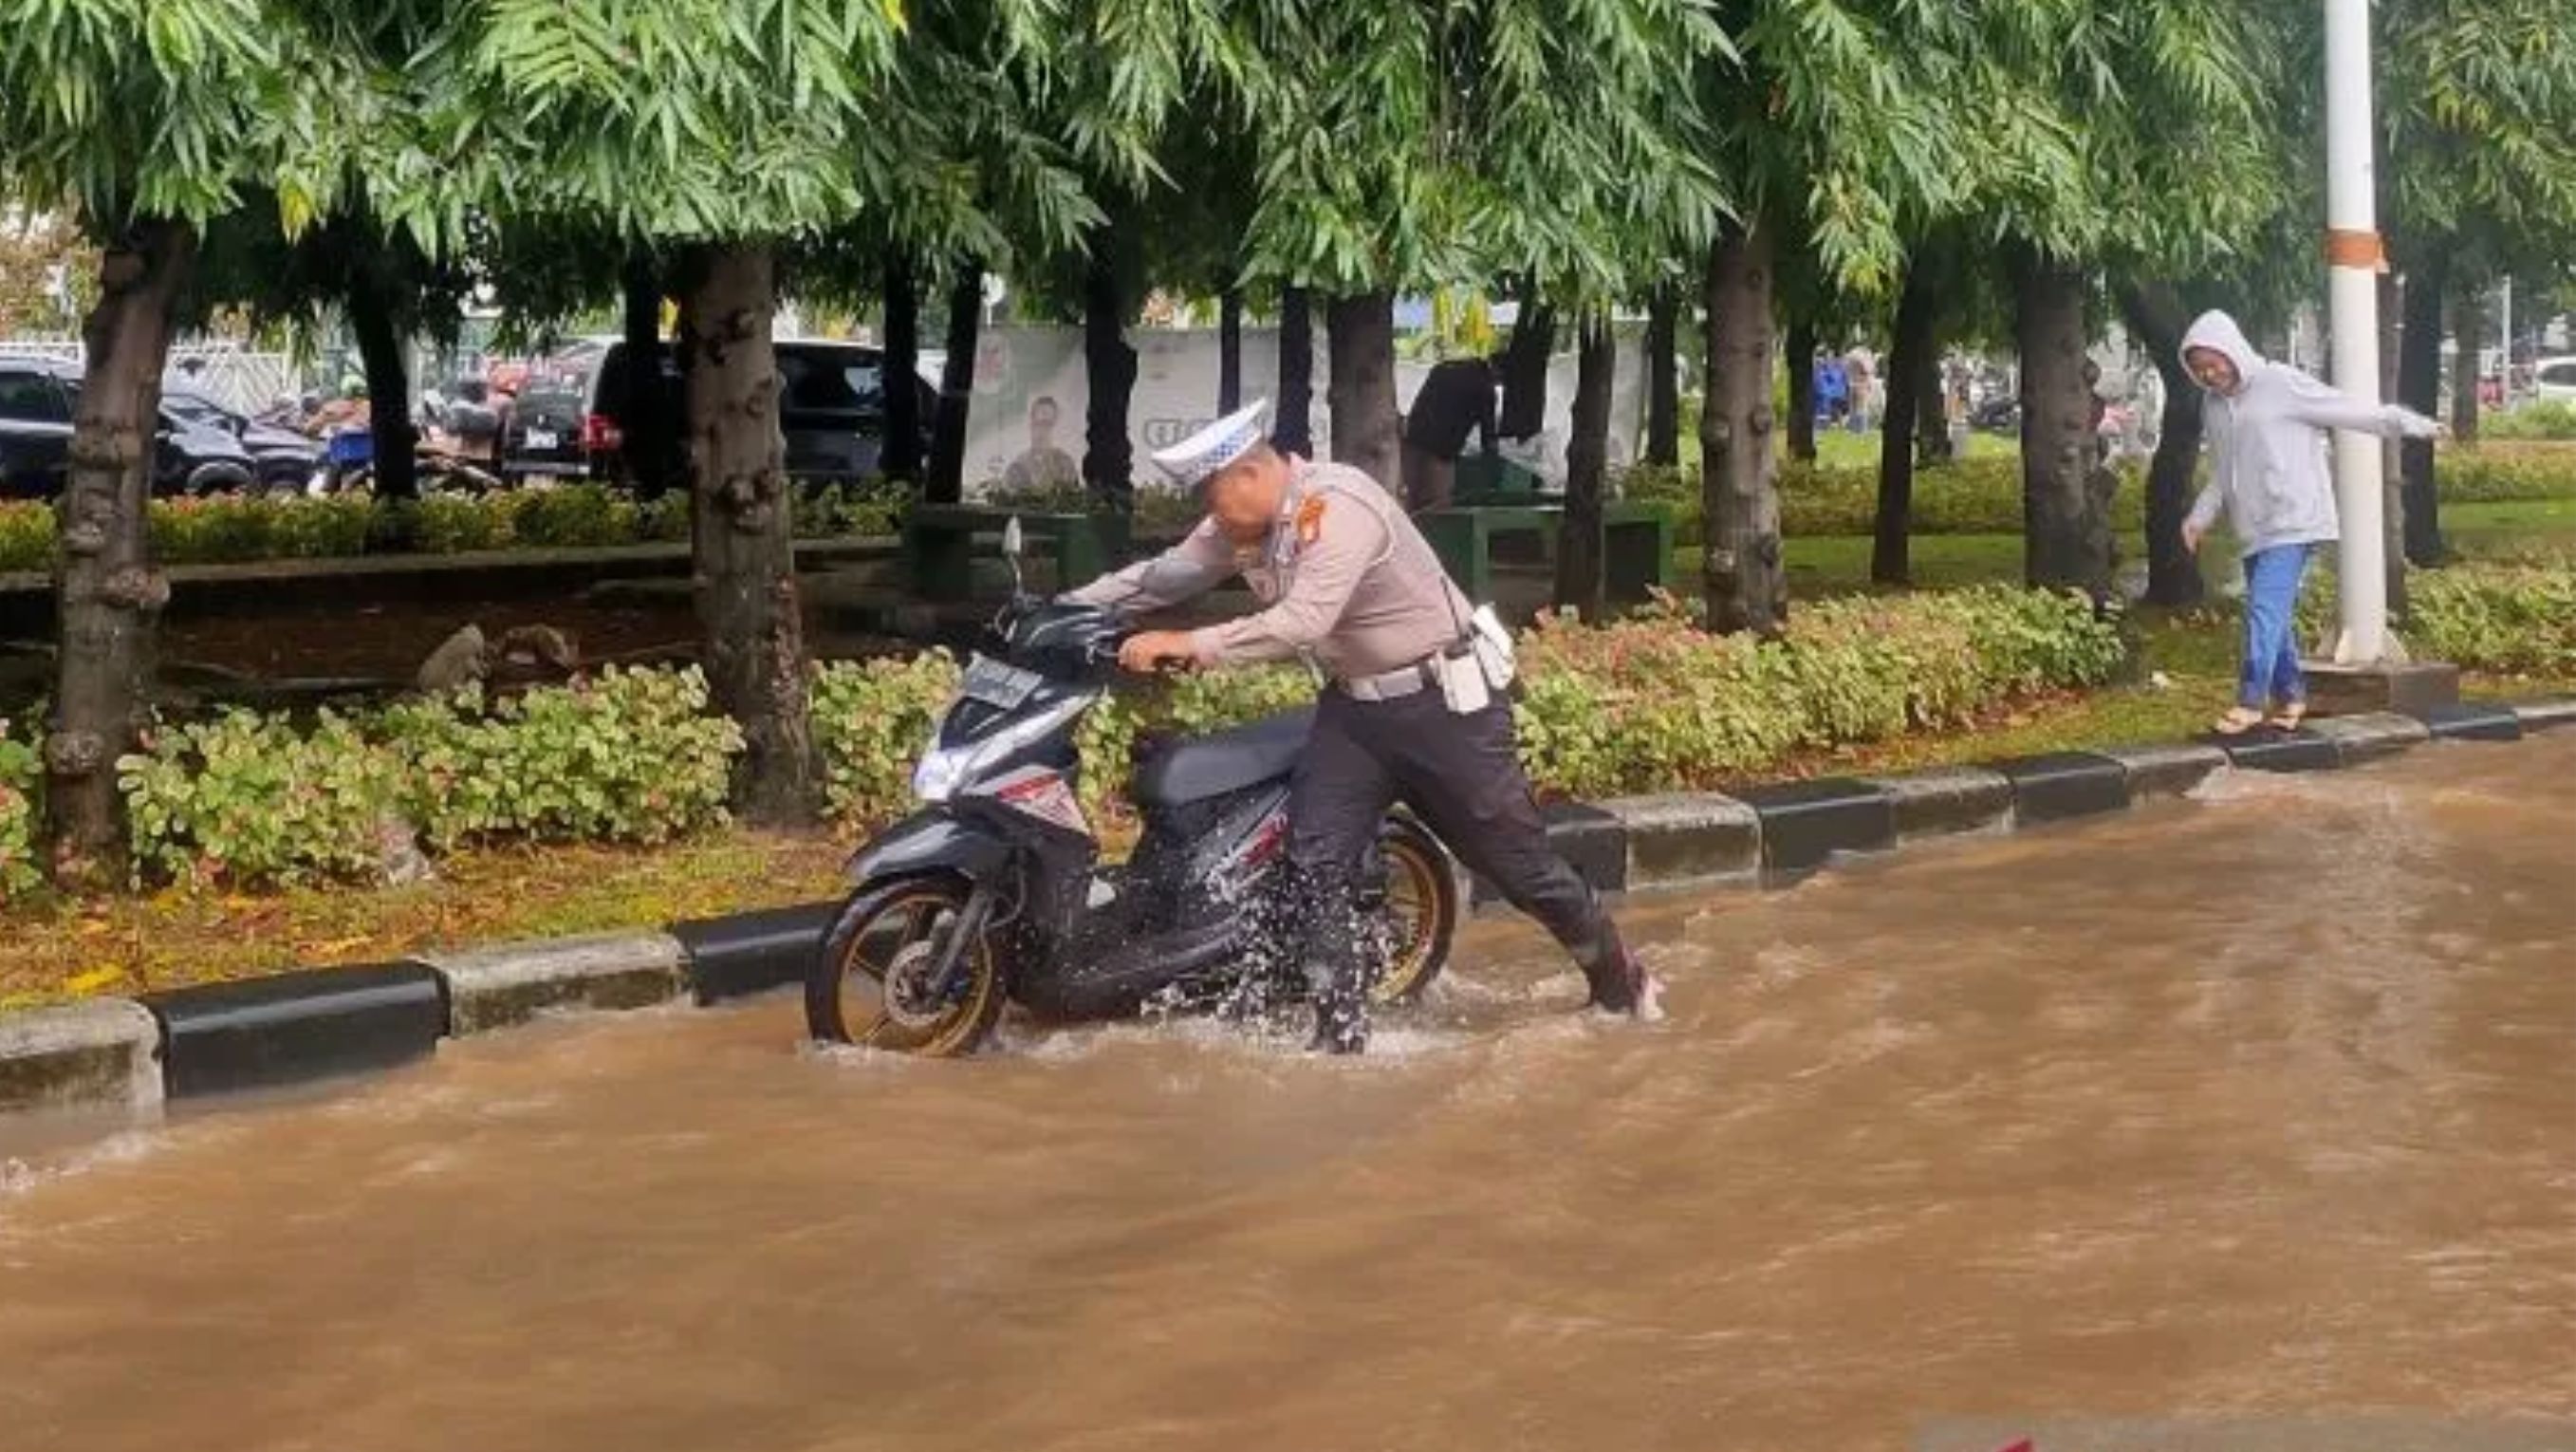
column 61, row 950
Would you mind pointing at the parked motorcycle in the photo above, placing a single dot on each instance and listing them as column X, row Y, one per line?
column 993, row 892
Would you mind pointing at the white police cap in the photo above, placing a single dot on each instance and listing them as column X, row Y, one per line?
column 1196, row 459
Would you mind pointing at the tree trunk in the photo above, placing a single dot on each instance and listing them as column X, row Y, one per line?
column 380, row 349
column 1663, row 379
column 1739, row 494
column 1891, row 554
column 2469, row 323
column 108, row 597
column 1229, row 351
column 1587, row 459
column 901, row 456
column 1524, row 408
column 2157, row 315
column 1362, row 340
column 1801, row 367
column 1294, row 431
column 742, row 525
column 2066, row 526
column 947, row 481
column 644, row 420
column 2419, row 387
column 1109, row 366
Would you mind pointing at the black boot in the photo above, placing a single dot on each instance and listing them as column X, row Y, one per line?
column 1620, row 982
column 1336, row 967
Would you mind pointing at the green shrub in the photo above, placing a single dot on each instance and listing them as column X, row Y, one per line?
column 26, row 537
column 21, row 776
column 1982, row 494
column 2511, row 619
column 236, row 529
column 457, row 524
column 868, row 507
column 1651, row 704
column 871, row 720
column 1646, row 704
column 629, row 756
column 2541, row 420
column 1160, row 513
column 664, row 520
column 571, row 516
column 244, row 799
column 247, row 800
column 2506, row 474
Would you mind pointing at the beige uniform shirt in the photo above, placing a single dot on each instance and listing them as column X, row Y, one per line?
column 1343, row 576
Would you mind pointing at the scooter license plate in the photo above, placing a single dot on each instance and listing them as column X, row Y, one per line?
column 997, row 685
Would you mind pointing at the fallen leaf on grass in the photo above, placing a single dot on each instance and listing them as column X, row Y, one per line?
column 94, row 980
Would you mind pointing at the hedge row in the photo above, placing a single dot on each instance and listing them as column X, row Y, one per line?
column 635, row 756
column 237, row 529
column 1647, row 704
column 2509, row 619
column 1984, row 495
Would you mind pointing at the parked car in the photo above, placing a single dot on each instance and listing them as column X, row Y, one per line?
column 568, row 421
column 2554, row 380
column 37, row 397
column 281, row 458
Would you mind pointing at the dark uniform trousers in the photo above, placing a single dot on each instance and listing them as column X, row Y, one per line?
column 1460, row 774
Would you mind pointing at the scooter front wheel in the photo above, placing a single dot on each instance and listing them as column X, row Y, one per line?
column 871, row 984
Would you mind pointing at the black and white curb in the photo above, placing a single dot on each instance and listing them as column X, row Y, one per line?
column 322, row 1023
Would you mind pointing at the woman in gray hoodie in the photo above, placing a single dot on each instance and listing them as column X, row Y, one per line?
column 2267, row 425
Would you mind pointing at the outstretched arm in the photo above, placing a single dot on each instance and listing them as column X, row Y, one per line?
column 2319, row 406
column 1199, row 563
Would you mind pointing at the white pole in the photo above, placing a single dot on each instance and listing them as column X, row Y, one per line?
column 2353, row 252
column 2504, row 395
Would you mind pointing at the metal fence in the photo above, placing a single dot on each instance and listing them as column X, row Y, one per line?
column 241, row 379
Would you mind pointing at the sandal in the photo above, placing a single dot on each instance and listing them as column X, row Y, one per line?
column 2237, row 722
column 2289, row 716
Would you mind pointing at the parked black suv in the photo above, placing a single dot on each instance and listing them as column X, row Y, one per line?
column 831, row 408
column 281, row 458
column 37, row 396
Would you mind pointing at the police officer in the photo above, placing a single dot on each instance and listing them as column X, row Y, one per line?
column 1410, row 710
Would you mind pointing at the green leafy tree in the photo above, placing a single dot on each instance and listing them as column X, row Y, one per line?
column 147, row 120
column 2478, row 118
column 718, row 133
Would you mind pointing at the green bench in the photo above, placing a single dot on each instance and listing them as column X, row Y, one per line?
column 940, row 540
column 1636, row 544
column 1489, row 479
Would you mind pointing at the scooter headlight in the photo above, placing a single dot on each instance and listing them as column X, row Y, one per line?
column 939, row 775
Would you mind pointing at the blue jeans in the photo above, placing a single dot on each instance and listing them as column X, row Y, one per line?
column 2271, row 670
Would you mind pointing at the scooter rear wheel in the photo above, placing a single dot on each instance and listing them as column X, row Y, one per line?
column 1420, row 910
column 867, row 985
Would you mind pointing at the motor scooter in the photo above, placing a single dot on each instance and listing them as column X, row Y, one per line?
column 993, row 891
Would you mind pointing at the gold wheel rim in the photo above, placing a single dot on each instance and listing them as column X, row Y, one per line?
column 870, row 956
column 1412, row 910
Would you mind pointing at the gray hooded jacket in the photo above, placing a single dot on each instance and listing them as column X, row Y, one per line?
column 2267, row 443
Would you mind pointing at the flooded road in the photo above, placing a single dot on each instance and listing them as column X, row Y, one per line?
column 2256, row 1104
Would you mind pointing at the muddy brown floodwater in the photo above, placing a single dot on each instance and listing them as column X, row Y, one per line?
column 2253, row 1105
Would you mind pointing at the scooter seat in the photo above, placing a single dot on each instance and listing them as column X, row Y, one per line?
column 1224, row 761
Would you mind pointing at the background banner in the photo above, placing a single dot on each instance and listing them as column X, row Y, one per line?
column 1025, row 425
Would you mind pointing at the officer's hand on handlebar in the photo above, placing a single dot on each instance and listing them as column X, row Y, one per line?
column 1152, row 650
